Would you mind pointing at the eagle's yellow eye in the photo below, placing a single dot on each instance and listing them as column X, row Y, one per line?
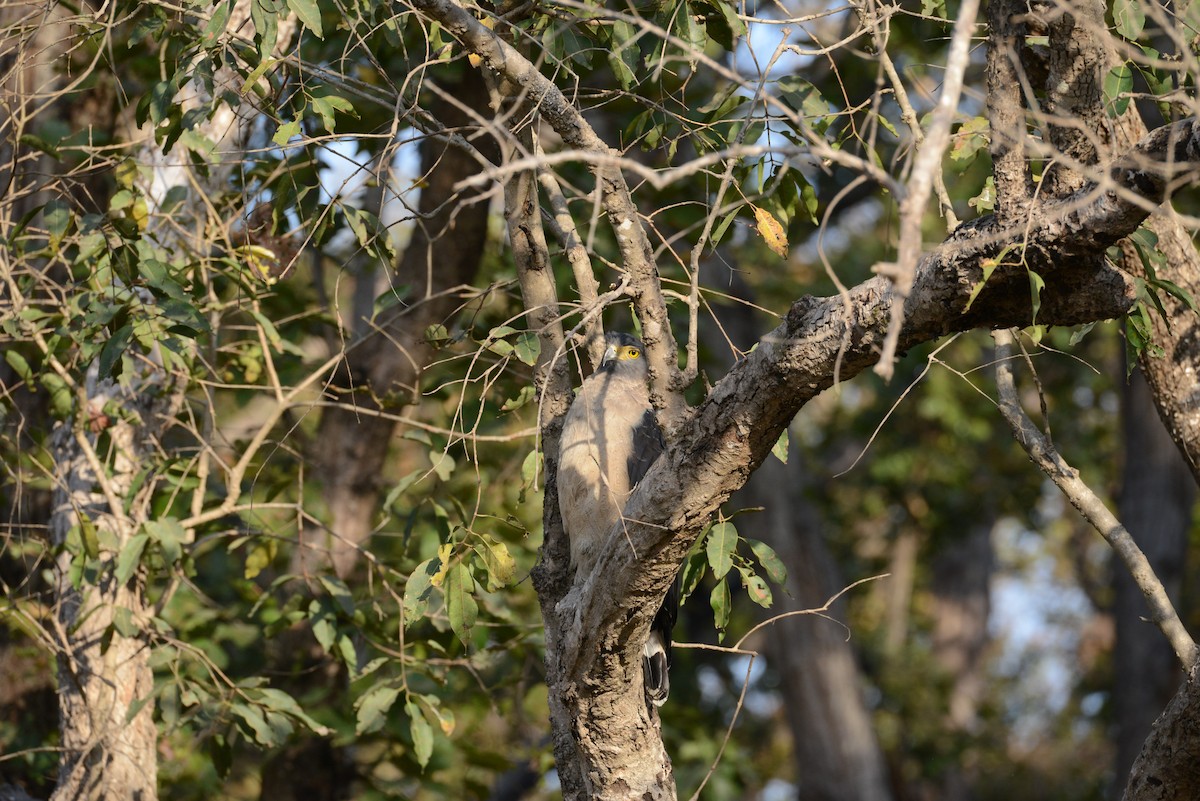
column 632, row 353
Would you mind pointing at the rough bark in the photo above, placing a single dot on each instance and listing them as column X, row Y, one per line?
column 109, row 740
column 383, row 370
column 1157, row 494
column 1080, row 54
column 1168, row 769
column 1006, row 113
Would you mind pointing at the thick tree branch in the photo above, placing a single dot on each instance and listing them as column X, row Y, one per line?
column 1006, row 115
column 1050, row 462
column 734, row 429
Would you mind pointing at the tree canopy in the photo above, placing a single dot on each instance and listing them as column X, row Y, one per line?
column 293, row 295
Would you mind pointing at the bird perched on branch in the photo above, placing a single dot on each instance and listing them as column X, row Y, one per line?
column 609, row 440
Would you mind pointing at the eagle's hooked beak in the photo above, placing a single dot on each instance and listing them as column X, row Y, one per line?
column 610, row 354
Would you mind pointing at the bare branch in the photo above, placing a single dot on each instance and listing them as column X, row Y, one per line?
column 1050, row 462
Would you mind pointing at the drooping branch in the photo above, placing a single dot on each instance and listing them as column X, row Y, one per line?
column 1050, row 462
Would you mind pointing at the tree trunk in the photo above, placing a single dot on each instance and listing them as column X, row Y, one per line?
column 109, row 740
column 962, row 573
column 833, row 740
column 1157, row 493
column 836, row 753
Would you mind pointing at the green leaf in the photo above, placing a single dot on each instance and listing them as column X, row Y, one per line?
column 57, row 216
column 720, row 228
column 325, row 102
column 123, row 622
column 527, row 393
column 1082, row 331
column 371, row 709
column 499, row 564
column 443, row 465
column 780, row 449
column 169, row 535
column 37, row 143
column 1129, row 18
column 756, row 588
column 720, row 547
column 370, row 232
column 216, row 23
column 528, row 347
column 269, row 330
column 422, row 733
column 985, row 201
column 720, row 602
column 114, row 348
column 770, row 561
column 808, row 196
column 529, row 470
column 623, row 55
column 17, row 362
column 418, row 589
column 265, row 16
column 256, row 722
column 259, row 557
column 806, row 100
column 1118, row 83
column 340, row 593
column 130, row 557
column 286, row 132
column 309, row 14
column 1036, row 285
column 724, row 26
column 1173, row 289
column 690, row 28
column 278, row 701
column 460, row 603
column 969, row 139
column 89, row 538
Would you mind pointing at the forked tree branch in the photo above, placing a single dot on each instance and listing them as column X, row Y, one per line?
column 733, row 430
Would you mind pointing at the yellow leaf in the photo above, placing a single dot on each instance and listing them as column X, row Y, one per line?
column 445, row 551
column 772, row 231
column 490, row 24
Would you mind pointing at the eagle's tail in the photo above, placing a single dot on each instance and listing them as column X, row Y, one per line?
column 656, row 659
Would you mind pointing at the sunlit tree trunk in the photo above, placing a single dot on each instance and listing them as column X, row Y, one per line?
column 104, row 678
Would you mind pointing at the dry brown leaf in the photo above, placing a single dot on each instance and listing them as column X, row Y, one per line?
column 772, row 231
